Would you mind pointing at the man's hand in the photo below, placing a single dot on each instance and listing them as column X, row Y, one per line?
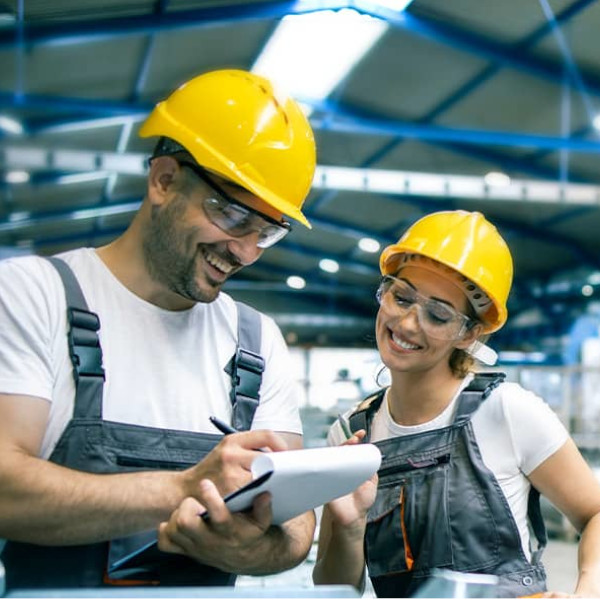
column 228, row 464
column 225, row 540
column 242, row 543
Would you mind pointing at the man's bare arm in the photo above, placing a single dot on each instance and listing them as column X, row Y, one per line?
column 44, row 503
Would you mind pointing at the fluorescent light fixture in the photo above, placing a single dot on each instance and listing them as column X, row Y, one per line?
column 496, row 179
column 596, row 122
column 308, row 55
column 522, row 357
column 73, row 160
column 7, row 15
column 559, row 287
column 329, row 265
column 74, row 178
column 131, row 164
column 10, row 125
column 369, row 245
column 93, row 123
column 16, row 177
column 104, row 211
column 26, row 158
column 296, row 282
column 15, row 217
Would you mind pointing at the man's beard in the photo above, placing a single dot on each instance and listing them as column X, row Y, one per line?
column 164, row 244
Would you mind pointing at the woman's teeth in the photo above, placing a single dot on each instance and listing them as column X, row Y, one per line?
column 403, row 343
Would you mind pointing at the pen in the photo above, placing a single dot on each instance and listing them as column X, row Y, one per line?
column 226, row 429
column 344, row 427
column 222, row 427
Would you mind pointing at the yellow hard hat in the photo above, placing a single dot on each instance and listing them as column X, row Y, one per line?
column 467, row 243
column 234, row 123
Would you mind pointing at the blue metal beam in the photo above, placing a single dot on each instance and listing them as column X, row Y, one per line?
column 91, row 30
column 340, row 123
column 78, row 32
column 344, row 121
column 511, row 164
column 493, row 68
column 480, row 46
column 100, row 108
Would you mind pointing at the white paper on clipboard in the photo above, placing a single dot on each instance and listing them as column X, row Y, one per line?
column 300, row 480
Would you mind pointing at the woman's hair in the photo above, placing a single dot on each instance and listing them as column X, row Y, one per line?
column 461, row 362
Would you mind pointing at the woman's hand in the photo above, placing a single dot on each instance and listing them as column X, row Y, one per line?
column 352, row 509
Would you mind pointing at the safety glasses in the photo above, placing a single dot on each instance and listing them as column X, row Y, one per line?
column 437, row 319
column 235, row 218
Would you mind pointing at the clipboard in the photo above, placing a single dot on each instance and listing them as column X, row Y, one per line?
column 238, row 501
column 298, row 481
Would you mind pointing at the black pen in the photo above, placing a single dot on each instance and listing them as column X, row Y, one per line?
column 222, row 427
column 226, row 429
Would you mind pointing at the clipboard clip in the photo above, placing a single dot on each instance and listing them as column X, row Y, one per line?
column 243, row 490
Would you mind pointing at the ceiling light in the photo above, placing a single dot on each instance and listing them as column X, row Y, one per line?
column 75, row 178
column 16, row 177
column 308, row 55
column 10, row 125
column 7, row 15
column 92, row 123
column 22, row 215
column 369, row 245
column 296, row 282
column 587, row 290
column 596, row 122
column 496, row 179
column 329, row 265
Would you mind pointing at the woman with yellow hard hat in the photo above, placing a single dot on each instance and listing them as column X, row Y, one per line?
column 465, row 454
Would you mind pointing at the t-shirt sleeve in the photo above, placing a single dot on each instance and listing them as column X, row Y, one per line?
column 280, row 392
column 536, row 431
column 26, row 334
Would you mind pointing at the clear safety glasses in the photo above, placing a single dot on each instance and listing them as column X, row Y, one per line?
column 235, row 218
column 437, row 319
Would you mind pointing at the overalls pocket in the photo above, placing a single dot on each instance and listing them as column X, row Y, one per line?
column 407, row 526
column 473, row 526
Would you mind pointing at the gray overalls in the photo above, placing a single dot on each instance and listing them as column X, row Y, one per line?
column 439, row 506
column 94, row 445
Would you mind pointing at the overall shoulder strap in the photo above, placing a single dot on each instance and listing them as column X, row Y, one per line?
column 84, row 345
column 246, row 368
column 534, row 513
column 476, row 392
column 363, row 415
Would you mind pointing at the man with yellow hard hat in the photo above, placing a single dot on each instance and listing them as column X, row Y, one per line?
column 114, row 360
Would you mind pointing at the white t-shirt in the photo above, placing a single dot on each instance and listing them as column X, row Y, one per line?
column 163, row 368
column 515, row 430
